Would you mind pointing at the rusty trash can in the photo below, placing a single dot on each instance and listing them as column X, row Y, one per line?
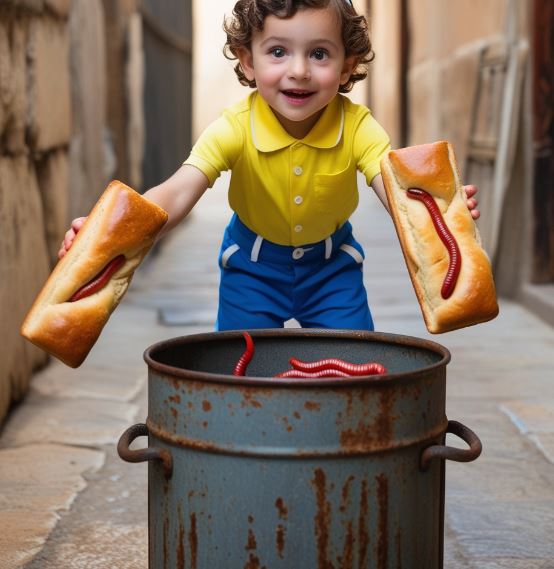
column 262, row 472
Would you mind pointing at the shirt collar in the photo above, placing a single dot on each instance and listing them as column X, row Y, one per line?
column 268, row 134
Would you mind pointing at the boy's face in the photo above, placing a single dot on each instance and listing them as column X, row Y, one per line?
column 298, row 65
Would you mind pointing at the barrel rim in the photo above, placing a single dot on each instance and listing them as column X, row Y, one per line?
column 381, row 381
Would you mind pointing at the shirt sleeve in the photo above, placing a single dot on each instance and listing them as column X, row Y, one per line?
column 371, row 143
column 217, row 148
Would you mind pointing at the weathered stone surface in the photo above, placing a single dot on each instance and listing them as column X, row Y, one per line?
column 456, row 103
column 36, row 482
column 134, row 75
column 53, row 179
column 23, row 270
column 488, row 529
column 61, row 8
column 545, row 443
column 115, row 383
column 100, row 544
column 531, row 416
column 34, row 6
column 5, row 75
column 68, row 421
column 88, row 81
column 13, row 85
column 49, row 84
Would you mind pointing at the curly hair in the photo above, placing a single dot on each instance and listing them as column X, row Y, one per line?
column 249, row 16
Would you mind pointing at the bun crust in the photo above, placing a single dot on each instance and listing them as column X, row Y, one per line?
column 433, row 168
column 121, row 223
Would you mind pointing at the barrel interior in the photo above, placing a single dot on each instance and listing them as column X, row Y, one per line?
column 217, row 353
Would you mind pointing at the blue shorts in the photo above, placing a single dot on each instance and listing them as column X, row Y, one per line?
column 264, row 284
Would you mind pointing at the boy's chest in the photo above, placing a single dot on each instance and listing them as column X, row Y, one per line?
column 298, row 166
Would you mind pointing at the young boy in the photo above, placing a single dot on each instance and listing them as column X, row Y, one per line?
column 294, row 147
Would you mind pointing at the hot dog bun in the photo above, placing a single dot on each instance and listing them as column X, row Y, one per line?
column 121, row 223
column 433, row 168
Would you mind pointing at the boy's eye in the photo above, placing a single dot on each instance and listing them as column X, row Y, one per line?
column 319, row 53
column 277, row 52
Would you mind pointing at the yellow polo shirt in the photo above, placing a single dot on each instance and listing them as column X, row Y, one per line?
column 291, row 191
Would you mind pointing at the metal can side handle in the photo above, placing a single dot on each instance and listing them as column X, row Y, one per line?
column 453, row 453
column 143, row 454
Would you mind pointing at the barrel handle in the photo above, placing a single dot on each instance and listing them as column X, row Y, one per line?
column 143, row 454
column 452, row 453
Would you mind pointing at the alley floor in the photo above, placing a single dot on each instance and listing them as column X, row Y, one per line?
column 68, row 501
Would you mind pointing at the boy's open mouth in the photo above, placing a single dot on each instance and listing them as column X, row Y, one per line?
column 294, row 94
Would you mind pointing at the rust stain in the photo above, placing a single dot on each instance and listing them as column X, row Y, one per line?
column 345, row 495
column 251, row 545
column 166, row 548
column 174, row 412
column 376, row 434
column 193, row 541
column 175, row 398
column 280, row 540
column 297, row 415
column 249, row 400
column 382, row 521
column 206, row 406
column 288, row 426
column 253, row 561
column 322, row 519
column 312, row 406
column 363, row 531
column 181, row 540
column 204, row 424
column 281, row 508
column 282, row 512
column 346, row 562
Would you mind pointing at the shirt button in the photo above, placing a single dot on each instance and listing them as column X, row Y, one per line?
column 298, row 228
column 298, row 200
column 298, row 170
column 298, row 253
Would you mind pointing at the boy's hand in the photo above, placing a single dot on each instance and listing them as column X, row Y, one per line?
column 76, row 225
column 472, row 201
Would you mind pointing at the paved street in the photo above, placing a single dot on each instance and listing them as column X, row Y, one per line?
column 67, row 501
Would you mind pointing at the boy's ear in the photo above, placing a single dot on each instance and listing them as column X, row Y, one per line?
column 246, row 62
column 347, row 69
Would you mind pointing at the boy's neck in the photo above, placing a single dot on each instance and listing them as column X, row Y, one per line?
column 298, row 129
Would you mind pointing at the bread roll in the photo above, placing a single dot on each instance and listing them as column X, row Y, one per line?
column 121, row 223
column 463, row 301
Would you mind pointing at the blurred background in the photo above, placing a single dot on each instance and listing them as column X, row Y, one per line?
column 92, row 90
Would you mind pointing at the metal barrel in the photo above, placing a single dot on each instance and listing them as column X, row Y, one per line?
column 264, row 472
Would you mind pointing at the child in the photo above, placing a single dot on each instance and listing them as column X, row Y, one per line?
column 294, row 147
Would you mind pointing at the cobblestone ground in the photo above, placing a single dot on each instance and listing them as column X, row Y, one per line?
column 67, row 501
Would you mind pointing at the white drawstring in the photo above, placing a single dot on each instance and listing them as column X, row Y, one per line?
column 256, row 249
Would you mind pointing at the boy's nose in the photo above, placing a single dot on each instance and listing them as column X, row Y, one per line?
column 299, row 68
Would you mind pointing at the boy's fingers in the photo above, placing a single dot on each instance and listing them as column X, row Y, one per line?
column 68, row 239
column 472, row 203
column 470, row 190
column 77, row 223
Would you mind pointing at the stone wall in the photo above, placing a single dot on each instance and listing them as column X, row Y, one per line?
column 57, row 147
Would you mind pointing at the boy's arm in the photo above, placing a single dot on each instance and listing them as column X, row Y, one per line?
column 178, row 194
column 379, row 188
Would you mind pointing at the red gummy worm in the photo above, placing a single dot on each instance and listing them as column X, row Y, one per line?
column 100, row 280
column 244, row 360
column 446, row 237
column 369, row 368
column 320, row 373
